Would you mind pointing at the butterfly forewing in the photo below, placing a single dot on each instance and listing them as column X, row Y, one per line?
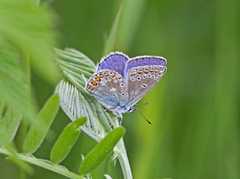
column 141, row 79
column 108, row 87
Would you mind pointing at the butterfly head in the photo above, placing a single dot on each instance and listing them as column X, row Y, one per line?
column 131, row 109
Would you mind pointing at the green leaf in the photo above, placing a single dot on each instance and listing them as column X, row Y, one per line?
column 109, row 44
column 75, row 105
column 74, row 62
column 41, row 125
column 13, row 89
column 66, row 140
column 101, row 151
column 11, row 122
column 30, row 29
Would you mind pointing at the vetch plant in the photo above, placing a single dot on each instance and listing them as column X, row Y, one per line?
column 83, row 110
column 76, row 102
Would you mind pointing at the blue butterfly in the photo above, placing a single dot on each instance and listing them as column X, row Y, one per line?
column 120, row 82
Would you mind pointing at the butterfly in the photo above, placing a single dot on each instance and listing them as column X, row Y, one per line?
column 120, row 82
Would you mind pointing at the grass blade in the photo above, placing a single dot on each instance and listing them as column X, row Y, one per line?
column 109, row 44
column 130, row 20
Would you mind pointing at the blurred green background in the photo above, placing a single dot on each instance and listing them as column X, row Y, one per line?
column 194, row 109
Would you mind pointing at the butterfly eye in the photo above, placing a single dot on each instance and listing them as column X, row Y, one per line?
column 131, row 109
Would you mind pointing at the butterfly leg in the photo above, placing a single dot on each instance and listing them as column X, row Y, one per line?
column 102, row 110
column 121, row 120
column 92, row 104
column 119, row 115
column 113, row 121
column 117, row 124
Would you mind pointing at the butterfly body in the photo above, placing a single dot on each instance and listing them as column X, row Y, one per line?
column 120, row 82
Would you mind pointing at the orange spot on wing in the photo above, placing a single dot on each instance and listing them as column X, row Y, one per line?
column 139, row 72
column 90, row 89
column 106, row 74
column 112, row 75
column 97, row 79
column 93, row 83
column 145, row 71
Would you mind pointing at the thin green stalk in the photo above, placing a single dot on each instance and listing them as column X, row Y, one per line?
column 23, row 126
column 109, row 44
column 123, row 160
column 44, row 164
column 22, row 174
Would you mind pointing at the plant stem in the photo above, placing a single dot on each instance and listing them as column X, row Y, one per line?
column 23, row 126
column 123, row 160
column 46, row 164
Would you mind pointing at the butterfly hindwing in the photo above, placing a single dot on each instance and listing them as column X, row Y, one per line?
column 143, row 77
column 108, row 87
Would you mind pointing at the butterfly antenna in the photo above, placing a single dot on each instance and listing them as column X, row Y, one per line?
column 143, row 116
column 143, row 103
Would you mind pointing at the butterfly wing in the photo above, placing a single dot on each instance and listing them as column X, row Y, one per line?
column 115, row 61
column 108, row 87
column 143, row 73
